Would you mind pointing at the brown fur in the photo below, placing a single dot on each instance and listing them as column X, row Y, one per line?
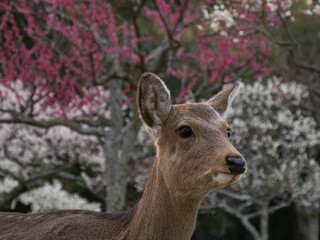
column 185, row 170
column 65, row 224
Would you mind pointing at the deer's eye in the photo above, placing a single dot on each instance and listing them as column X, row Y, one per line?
column 229, row 132
column 185, row 132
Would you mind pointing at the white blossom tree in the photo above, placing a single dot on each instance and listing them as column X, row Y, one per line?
column 279, row 143
column 31, row 161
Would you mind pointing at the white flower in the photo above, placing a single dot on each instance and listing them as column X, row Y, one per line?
column 53, row 197
column 316, row 9
column 308, row 12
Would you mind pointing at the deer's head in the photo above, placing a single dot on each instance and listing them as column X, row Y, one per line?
column 194, row 153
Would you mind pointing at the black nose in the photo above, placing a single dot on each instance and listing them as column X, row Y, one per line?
column 236, row 165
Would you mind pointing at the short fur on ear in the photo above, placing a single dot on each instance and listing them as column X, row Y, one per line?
column 153, row 100
column 224, row 98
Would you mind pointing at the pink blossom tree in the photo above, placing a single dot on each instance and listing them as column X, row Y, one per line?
column 76, row 64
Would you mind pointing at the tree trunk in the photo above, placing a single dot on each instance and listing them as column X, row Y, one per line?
column 264, row 223
column 308, row 222
column 115, row 195
column 118, row 151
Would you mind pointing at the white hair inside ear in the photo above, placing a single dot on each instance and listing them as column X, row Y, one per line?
column 233, row 94
column 231, row 97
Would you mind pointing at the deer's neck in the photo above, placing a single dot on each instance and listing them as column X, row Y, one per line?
column 160, row 214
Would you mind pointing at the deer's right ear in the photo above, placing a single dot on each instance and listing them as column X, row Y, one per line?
column 222, row 101
column 153, row 99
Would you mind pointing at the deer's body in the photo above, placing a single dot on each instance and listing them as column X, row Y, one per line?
column 193, row 157
column 69, row 224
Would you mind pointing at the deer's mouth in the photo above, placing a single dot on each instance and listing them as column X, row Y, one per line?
column 226, row 178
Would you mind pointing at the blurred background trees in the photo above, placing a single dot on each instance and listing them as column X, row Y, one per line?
column 280, row 144
column 69, row 126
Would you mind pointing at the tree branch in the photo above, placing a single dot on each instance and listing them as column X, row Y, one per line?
column 137, row 31
column 97, row 131
column 27, row 185
column 302, row 65
column 244, row 220
column 234, row 195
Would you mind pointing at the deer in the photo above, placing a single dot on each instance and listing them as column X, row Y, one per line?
column 193, row 157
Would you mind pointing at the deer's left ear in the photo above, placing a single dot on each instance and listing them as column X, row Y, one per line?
column 154, row 102
column 224, row 98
